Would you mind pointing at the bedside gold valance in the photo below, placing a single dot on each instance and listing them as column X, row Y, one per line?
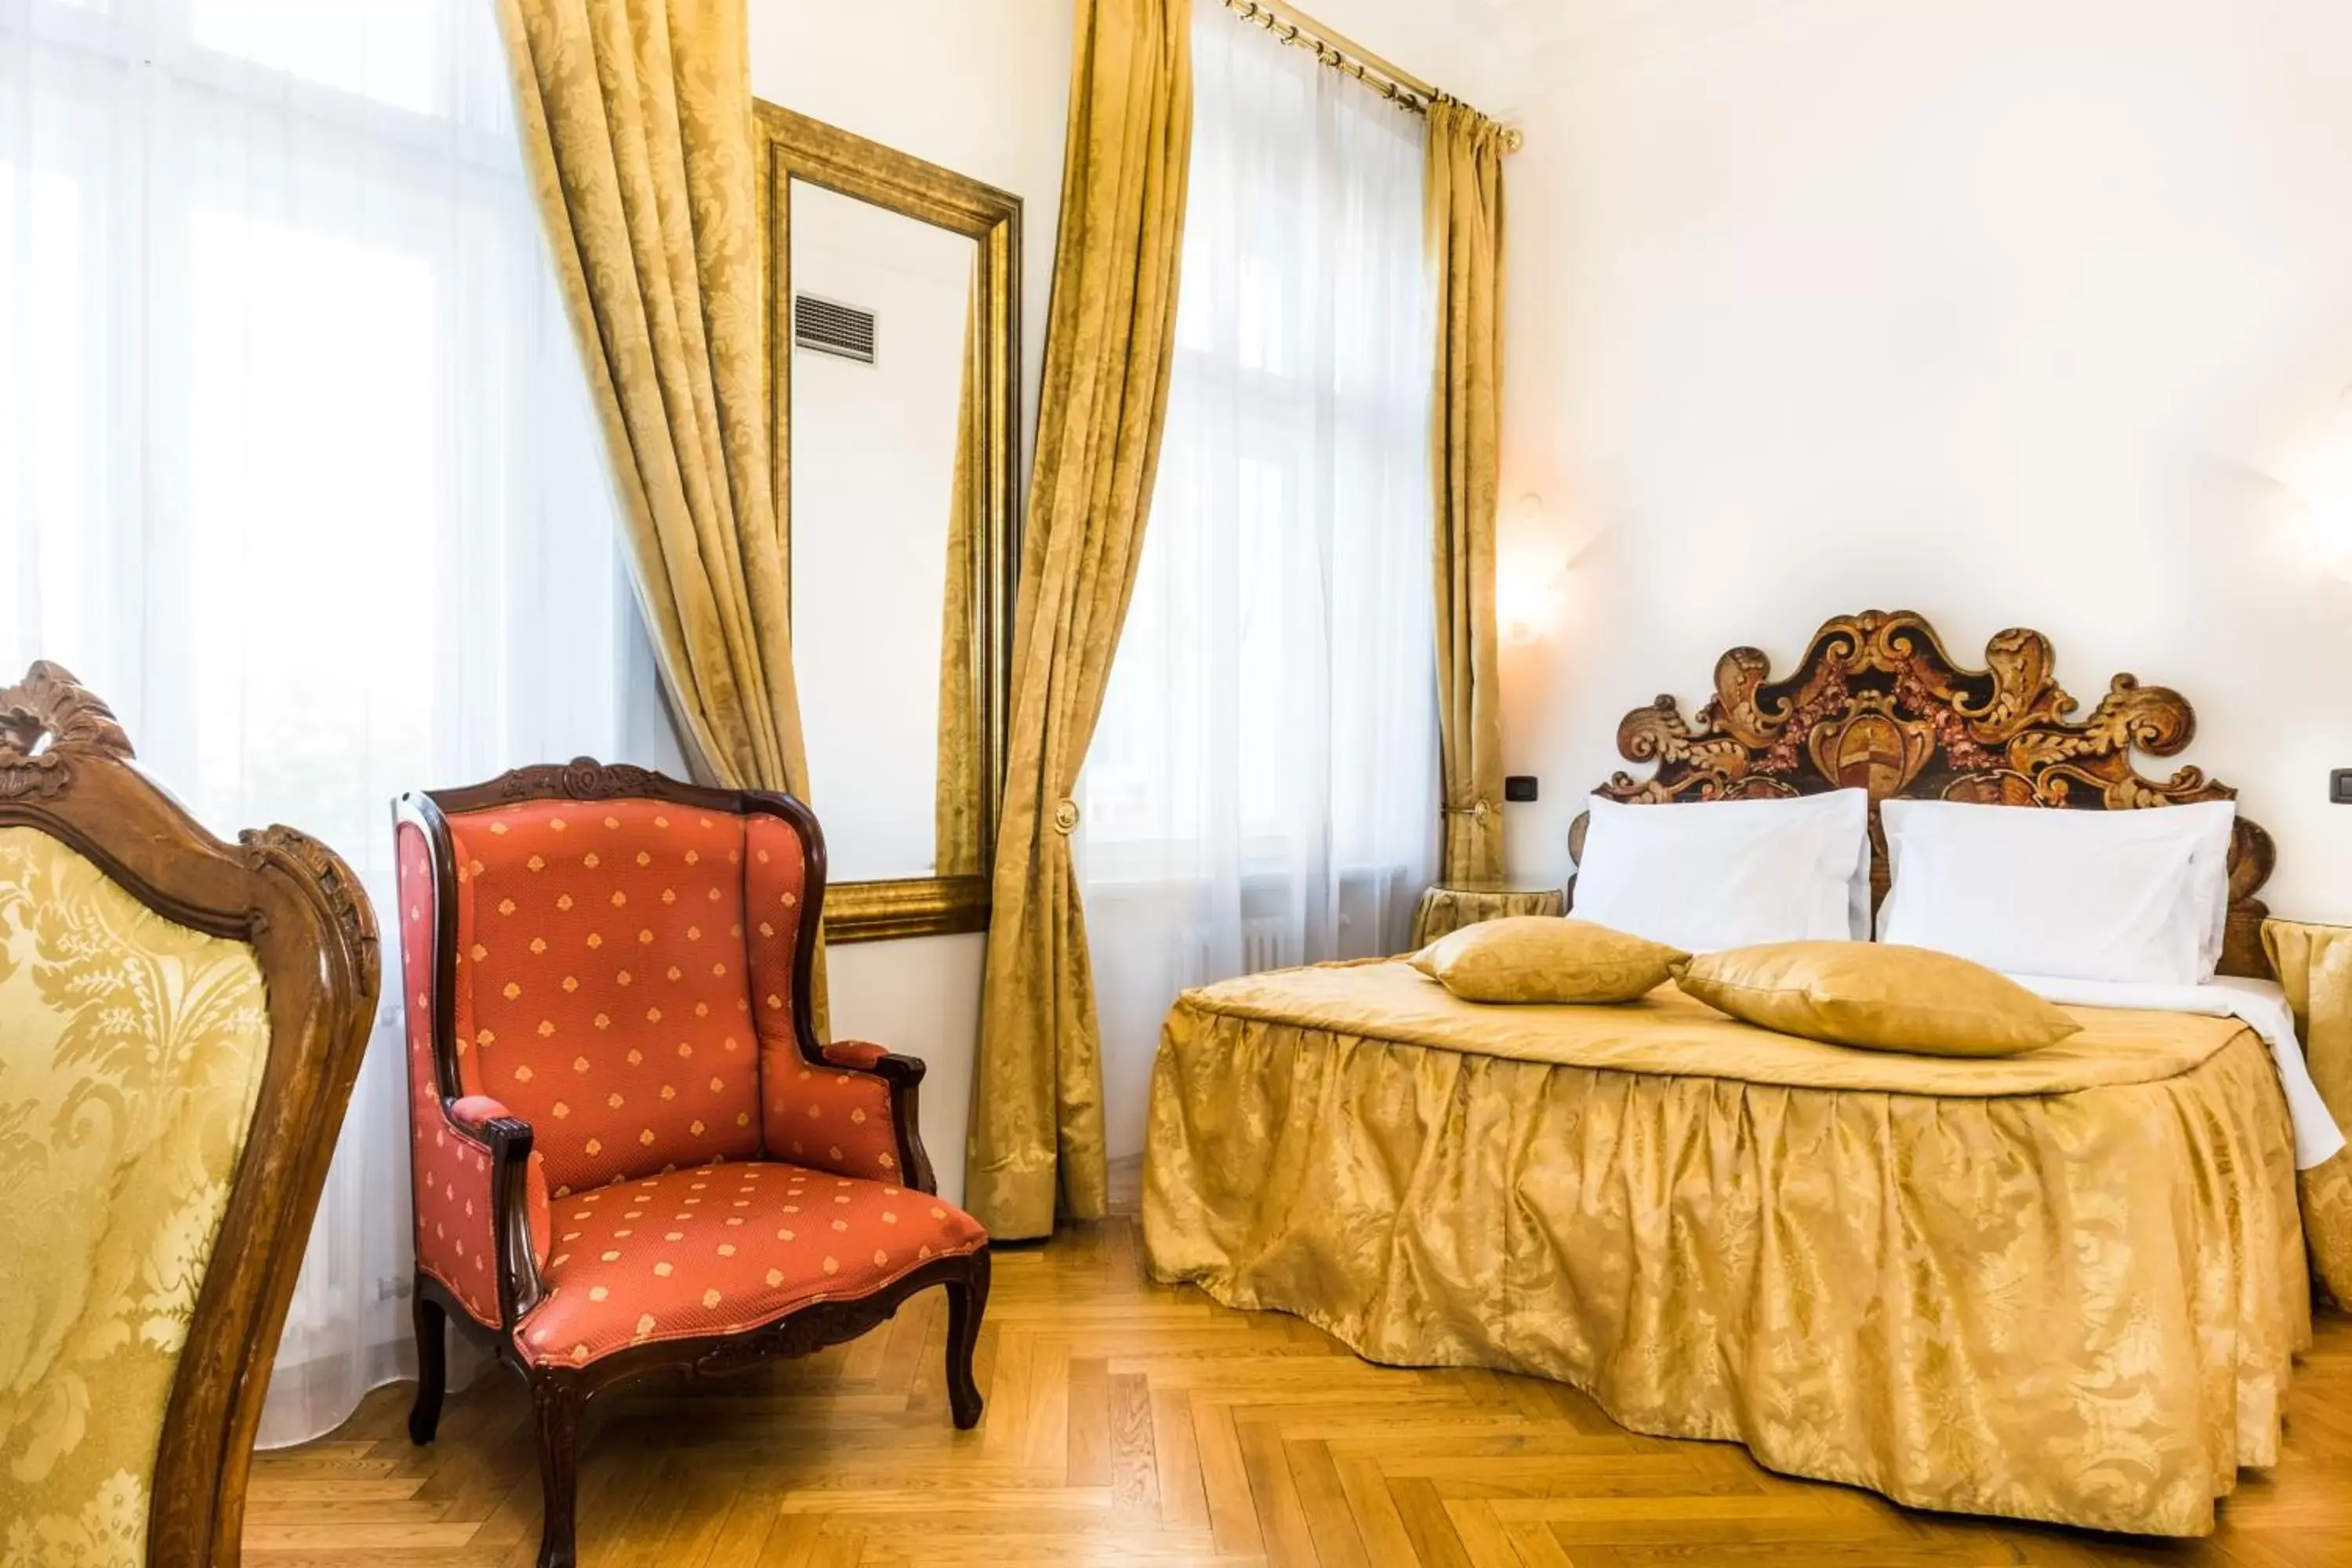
column 2315, row 967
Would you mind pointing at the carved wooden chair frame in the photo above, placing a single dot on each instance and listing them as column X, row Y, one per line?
column 66, row 769
column 559, row 1394
column 1876, row 703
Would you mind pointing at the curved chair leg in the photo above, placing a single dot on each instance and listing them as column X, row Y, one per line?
column 432, row 1364
column 967, row 1300
column 556, row 1407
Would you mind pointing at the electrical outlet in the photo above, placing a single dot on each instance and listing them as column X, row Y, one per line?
column 2339, row 786
column 1520, row 786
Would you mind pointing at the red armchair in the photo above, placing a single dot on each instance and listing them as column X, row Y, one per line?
column 631, row 1155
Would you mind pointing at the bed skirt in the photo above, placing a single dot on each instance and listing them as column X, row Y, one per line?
column 2079, row 1308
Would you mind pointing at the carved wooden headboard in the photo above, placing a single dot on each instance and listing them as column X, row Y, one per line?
column 1876, row 703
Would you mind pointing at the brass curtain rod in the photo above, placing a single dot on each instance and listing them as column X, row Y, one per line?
column 1287, row 25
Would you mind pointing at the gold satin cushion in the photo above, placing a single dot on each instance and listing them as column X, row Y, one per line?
column 1546, row 958
column 1875, row 996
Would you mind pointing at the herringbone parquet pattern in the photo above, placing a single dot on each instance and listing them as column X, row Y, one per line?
column 1130, row 1423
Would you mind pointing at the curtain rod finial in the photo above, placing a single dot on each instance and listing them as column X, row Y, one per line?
column 1514, row 139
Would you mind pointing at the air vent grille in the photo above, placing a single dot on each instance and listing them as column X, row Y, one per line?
column 832, row 328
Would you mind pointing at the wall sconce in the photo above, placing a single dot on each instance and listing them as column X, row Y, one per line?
column 2324, row 508
column 2333, row 530
column 1529, row 569
column 2322, row 532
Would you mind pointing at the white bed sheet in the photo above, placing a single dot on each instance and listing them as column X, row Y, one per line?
column 2260, row 1005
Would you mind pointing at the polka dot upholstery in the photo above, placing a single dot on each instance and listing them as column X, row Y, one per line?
column 723, row 1249
column 450, row 1165
column 809, row 1114
column 456, row 1242
column 475, row 1112
column 602, row 981
column 623, row 984
column 828, row 1117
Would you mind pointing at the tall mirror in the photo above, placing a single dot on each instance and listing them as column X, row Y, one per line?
column 893, row 373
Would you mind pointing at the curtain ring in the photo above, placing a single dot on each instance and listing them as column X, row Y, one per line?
column 1065, row 817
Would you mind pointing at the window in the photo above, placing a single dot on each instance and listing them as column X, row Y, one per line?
column 1261, row 788
column 297, row 468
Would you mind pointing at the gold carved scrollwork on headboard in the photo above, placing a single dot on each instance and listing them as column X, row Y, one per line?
column 1875, row 703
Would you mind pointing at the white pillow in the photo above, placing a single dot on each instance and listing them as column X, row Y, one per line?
column 1707, row 875
column 2122, row 896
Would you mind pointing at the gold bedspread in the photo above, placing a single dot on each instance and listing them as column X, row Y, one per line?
column 2065, row 1286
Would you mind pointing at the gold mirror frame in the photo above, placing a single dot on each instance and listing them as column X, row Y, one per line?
column 794, row 147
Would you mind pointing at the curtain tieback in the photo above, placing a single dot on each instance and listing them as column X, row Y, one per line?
column 1065, row 817
column 1478, row 809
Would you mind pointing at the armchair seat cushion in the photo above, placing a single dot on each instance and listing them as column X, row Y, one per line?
column 720, row 1249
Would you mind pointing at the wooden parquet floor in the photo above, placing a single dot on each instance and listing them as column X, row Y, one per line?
column 1138, row 1425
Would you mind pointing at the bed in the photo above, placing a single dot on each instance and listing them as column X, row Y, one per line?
column 2066, row 1286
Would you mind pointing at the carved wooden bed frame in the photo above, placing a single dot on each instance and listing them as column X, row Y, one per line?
column 1876, row 703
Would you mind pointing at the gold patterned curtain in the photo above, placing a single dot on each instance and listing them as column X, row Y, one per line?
column 955, row 802
column 635, row 122
column 1036, row 1127
column 1465, row 199
column 2315, row 966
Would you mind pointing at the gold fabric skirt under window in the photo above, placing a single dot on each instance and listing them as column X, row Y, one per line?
column 2063, row 1287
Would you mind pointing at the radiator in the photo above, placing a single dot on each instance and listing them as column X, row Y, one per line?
column 1272, row 933
column 1265, row 944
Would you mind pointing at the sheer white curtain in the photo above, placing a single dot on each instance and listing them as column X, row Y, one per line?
column 1261, row 789
column 297, row 469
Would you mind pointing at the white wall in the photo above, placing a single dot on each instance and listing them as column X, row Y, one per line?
column 979, row 86
column 2010, row 311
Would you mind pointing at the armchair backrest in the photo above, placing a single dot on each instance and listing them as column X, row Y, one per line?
column 181, row 1020
column 613, row 953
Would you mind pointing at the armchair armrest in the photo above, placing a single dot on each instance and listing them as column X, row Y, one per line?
column 854, row 1113
column 509, row 1184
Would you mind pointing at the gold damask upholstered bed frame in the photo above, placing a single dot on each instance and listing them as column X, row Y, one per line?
column 1876, row 703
